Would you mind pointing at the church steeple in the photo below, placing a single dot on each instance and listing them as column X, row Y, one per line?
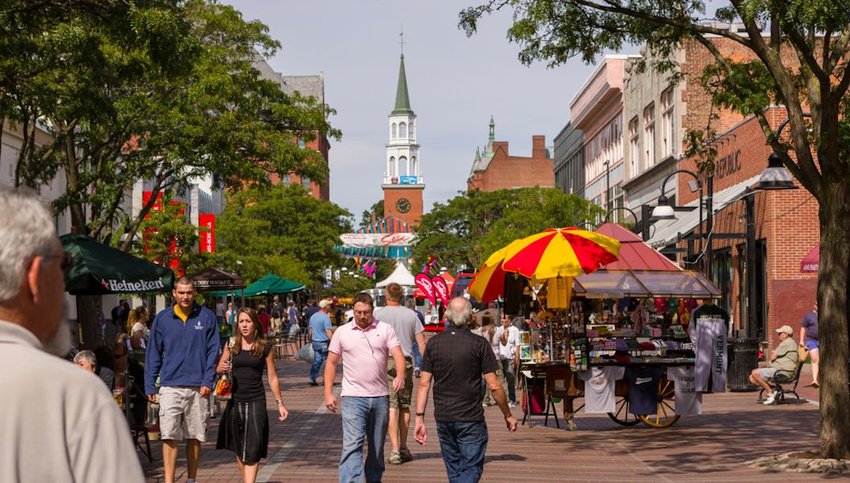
column 402, row 98
column 492, row 136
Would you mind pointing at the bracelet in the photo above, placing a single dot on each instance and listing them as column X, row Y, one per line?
column 420, row 414
column 279, row 402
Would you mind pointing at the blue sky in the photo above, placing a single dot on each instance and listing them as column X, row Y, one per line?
column 455, row 84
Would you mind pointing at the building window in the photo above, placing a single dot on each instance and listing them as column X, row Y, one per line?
column 414, row 169
column 305, row 182
column 634, row 147
column 668, row 145
column 300, row 142
column 402, row 130
column 391, row 172
column 649, row 135
column 410, row 130
column 394, row 133
column 403, row 168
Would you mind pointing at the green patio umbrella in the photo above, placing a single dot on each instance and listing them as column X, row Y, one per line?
column 100, row 269
column 272, row 285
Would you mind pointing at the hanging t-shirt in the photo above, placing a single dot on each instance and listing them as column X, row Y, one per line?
column 708, row 328
column 599, row 394
column 688, row 401
column 643, row 389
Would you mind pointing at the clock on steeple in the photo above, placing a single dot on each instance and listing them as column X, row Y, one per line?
column 402, row 184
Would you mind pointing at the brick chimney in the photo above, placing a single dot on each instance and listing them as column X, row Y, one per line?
column 538, row 147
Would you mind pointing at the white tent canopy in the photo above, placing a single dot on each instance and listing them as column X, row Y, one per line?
column 401, row 275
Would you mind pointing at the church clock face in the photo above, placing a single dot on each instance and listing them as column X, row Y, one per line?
column 402, row 205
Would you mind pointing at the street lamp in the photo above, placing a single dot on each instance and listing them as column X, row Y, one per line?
column 666, row 211
column 776, row 176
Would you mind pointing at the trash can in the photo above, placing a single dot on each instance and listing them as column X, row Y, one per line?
column 743, row 358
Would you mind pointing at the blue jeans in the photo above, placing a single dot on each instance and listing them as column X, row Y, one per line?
column 364, row 419
column 463, row 445
column 510, row 378
column 320, row 353
column 417, row 356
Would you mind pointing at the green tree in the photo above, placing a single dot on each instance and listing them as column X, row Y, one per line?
column 168, row 238
column 165, row 92
column 282, row 230
column 817, row 35
column 472, row 225
column 375, row 212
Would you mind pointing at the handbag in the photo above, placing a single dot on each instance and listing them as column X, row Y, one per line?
column 803, row 352
column 306, row 354
column 223, row 387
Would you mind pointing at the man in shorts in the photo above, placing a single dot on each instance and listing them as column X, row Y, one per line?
column 408, row 329
column 182, row 352
column 784, row 359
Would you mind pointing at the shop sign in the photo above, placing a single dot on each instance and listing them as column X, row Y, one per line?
column 363, row 240
column 207, row 233
column 727, row 165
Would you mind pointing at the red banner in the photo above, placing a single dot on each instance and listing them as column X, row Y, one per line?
column 424, row 283
column 441, row 288
column 206, row 232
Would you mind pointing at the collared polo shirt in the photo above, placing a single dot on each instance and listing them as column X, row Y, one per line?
column 364, row 355
column 456, row 358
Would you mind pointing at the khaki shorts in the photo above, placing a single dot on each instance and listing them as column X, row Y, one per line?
column 400, row 399
column 182, row 414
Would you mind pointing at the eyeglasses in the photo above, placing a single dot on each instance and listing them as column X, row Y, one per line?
column 66, row 260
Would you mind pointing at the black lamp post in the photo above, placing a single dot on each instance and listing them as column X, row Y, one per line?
column 644, row 228
column 666, row 211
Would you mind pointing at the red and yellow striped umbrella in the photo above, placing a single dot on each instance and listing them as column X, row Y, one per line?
column 560, row 252
column 489, row 281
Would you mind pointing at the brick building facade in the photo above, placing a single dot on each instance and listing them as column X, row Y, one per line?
column 786, row 229
column 498, row 169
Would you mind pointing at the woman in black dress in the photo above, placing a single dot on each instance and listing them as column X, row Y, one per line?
column 244, row 427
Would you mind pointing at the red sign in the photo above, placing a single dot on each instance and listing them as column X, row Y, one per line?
column 206, row 232
column 424, row 283
column 441, row 288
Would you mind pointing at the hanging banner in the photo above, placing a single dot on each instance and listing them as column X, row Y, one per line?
column 206, row 242
column 363, row 240
column 423, row 282
column 441, row 289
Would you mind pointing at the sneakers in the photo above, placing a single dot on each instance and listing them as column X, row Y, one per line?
column 394, row 458
column 416, row 372
column 771, row 399
column 405, row 455
column 314, row 383
column 511, row 404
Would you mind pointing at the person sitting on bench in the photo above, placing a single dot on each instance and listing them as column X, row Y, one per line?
column 783, row 360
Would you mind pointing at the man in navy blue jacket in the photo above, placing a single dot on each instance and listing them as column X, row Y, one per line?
column 182, row 352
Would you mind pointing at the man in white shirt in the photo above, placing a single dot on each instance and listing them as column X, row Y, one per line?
column 508, row 336
column 59, row 423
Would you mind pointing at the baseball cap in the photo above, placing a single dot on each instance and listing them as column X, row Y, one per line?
column 785, row 328
column 324, row 303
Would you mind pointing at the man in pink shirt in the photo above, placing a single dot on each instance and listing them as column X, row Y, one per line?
column 364, row 345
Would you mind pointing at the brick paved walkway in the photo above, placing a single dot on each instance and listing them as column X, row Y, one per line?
column 710, row 447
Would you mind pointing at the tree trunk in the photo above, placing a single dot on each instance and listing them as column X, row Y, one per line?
column 832, row 320
column 88, row 316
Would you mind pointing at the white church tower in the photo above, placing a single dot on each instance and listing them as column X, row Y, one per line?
column 403, row 183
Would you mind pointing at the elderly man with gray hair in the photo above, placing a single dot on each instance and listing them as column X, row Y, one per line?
column 59, row 423
column 455, row 359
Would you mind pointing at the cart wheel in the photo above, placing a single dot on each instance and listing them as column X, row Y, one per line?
column 665, row 414
column 621, row 414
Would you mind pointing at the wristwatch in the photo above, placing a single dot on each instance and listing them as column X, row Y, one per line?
column 420, row 414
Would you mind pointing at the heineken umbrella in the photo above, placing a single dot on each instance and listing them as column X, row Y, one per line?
column 272, row 284
column 100, row 269
column 215, row 279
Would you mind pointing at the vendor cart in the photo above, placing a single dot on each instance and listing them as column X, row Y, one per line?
column 632, row 313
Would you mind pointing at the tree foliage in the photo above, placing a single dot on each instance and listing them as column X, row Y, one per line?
column 282, row 230
column 168, row 238
column 163, row 91
column 799, row 52
column 375, row 212
column 472, row 225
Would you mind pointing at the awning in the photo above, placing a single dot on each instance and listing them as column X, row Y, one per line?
column 272, row 285
column 401, row 275
column 811, row 262
column 666, row 232
column 100, row 269
column 634, row 253
column 617, row 284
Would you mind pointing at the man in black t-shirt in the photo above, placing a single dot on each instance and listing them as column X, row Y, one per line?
column 455, row 359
